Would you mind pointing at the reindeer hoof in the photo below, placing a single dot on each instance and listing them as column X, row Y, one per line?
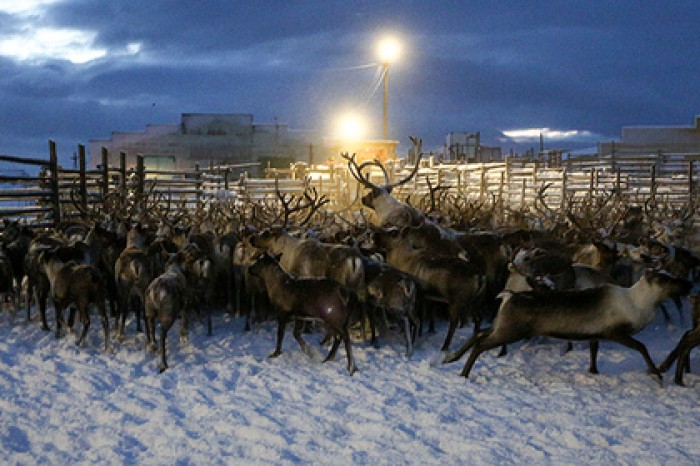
column 46, row 328
column 161, row 369
column 352, row 370
column 450, row 357
column 275, row 354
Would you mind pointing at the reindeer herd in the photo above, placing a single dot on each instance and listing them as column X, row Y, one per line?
column 599, row 270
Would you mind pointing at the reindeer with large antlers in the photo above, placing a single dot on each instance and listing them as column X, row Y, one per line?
column 391, row 211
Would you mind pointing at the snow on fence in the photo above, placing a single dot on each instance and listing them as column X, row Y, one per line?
column 57, row 194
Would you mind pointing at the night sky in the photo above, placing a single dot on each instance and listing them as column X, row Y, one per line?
column 578, row 71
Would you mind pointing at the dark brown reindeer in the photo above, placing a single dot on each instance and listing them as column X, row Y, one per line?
column 78, row 284
column 7, row 280
column 299, row 299
column 133, row 274
column 167, row 298
column 395, row 293
column 38, row 285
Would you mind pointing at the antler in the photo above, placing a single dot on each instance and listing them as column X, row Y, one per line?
column 293, row 204
column 417, row 145
column 356, row 171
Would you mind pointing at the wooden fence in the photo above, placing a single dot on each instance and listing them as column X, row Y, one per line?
column 51, row 196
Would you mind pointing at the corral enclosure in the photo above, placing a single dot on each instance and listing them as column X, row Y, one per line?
column 512, row 185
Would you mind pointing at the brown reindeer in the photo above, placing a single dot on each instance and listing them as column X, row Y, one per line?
column 607, row 312
column 454, row 279
column 167, row 298
column 133, row 274
column 298, row 299
column 78, row 284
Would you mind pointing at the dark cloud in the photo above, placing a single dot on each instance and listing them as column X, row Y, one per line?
column 469, row 66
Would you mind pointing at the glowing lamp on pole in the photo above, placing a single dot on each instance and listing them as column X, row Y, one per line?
column 388, row 51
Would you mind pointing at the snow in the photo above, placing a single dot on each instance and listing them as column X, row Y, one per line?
column 222, row 401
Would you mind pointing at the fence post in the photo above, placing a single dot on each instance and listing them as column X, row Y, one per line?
column 199, row 186
column 105, row 173
column 140, row 174
column 563, row 189
column 55, row 196
column 652, row 187
column 122, row 173
column 83, row 177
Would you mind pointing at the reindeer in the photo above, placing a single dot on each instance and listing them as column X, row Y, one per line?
column 78, row 284
column 390, row 211
column 308, row 298
column 454, row 279
column 7, row 282
column 38, row 285
column 133, row 274
column 167, row 298
column 396, row 294
column 608, row 312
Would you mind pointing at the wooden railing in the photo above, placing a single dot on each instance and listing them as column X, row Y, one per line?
column 51, row 196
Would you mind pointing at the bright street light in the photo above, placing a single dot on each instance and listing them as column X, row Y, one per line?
column 388, row 50
column 351, row 127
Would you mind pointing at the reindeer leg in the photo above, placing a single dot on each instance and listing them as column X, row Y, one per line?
column 352, row 368
column 454, row 318
column 298, row 327
column 164, row 327
column 185, row 326
column 593, row 347
column 334, row 349
column 680, row 365
column 42, row 311
column 59, row 319
column 281, row 323
column 85, row 319
column 452, row 357
column 150, row 322
column 637, row 345
column 407, row 332
column 71, row 316
column 121, row 316
column 30, row 290
column 668, row 362
column 105, row 324
column 138, row 308
column 482, row 344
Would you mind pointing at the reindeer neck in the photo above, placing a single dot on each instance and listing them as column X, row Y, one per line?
column 385, row 205
column 644, row 295
column 283, row 242
column 273, row 274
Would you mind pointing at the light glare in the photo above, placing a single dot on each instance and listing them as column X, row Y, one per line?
column 350, row 127
column 388, row 50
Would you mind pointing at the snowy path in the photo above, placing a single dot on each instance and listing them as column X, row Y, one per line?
column 223, row 402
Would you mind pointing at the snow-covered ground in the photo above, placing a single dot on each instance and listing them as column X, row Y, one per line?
column 223, row 402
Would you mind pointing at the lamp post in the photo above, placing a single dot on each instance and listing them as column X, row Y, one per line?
column 388, row 51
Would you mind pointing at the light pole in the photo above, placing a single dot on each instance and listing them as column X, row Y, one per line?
column 388, row 51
